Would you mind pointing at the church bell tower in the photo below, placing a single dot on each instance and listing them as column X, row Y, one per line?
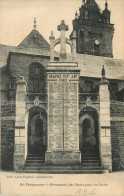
column 94, row 29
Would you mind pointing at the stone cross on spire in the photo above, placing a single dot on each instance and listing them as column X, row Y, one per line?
column 35, row 24
column 62, row 28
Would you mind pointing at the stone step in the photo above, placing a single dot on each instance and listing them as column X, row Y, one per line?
column 68, row 171
column 90, row 161
column 90, row 157
column 89, row 152
column 35, row 158
column 90, row 166
column 35, row 161
column 35, row 155
column 82, row 167
column 85, row 163
column 34, row 164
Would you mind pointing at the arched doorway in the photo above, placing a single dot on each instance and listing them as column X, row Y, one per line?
column 37, row 131
column 89, row 135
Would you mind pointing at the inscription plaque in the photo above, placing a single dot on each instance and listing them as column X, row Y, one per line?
column 63, row 111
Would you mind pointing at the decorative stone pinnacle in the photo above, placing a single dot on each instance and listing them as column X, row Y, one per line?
column 73, row 35
column 103, row 71
column 62, row 26
column 103, row 79
column 52, row 35
column 76, row 15
column 35, row 24
column 21, row 80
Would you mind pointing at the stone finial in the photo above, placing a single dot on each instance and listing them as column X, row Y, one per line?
column 21, row 77
column 21, row 80
column 73, row 36
column 103, row 79
column 62, row 26
column 52, row 36
column 103, row 71
column 35, row 24
column 21, row 84
column 76, row 15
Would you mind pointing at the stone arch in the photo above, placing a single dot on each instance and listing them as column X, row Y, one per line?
column 36, row 109
column 68, row 42
column 93, row 108
column 39, row 116
column 88, row 117
column 31, row 106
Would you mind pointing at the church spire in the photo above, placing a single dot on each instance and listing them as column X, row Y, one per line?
column 106, row 5
column 34, row 23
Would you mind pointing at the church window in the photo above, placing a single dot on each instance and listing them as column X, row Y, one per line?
column 88, row 85
column 36, row 78
column 12, row 82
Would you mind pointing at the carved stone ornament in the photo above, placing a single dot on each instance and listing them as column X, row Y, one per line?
column 88, row 102
column 36, row 101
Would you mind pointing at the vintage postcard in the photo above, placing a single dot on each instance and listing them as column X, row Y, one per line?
column 62, row 97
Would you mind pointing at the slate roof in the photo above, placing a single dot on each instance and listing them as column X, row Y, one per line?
column 4, row 51
column 34, row 40
column 91, row 66
column 33, row 44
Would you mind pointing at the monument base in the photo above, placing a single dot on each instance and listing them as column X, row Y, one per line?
column 63, row 158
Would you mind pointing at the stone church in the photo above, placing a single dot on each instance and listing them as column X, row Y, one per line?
column 64, row 112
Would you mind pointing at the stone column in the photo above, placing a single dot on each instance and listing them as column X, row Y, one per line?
column 73, row 45
column 105, row 129
column 62, row 28
column 52, row 38
column 20, row 134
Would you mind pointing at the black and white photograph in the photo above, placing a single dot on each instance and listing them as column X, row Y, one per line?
column 62, row 97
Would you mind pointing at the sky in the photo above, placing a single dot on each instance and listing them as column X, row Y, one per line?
column 16, row 19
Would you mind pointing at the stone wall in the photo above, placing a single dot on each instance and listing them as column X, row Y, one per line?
column 7, row 135
column 117, row 134
column 20, row 62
